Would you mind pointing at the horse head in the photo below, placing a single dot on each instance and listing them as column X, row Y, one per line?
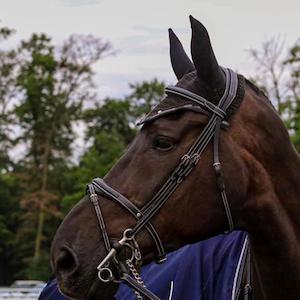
column 251, row 137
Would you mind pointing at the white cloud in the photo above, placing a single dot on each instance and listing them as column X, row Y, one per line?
column 138, row 30
column 80, row 2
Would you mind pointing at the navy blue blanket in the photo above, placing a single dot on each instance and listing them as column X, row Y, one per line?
column 205, row 270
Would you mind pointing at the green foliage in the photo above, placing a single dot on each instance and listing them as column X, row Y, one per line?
column 279, row 78
column 9, row 225
column 97, row 161
column 37, row 268
column 9, row 209
column 8, row 65
column 49, row 85
column 114, row 116
column 110, row 128
column 145, row 95
column 43, row 89
column 52, row 85
column 292, row 108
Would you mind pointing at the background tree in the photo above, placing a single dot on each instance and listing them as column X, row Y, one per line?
column 44, row 91
column 110, row 127
column 145, row 96
column 54, row 84
column 271, row 71
column 293, row 63
column 9, row 209
column 279, row 78
column 8, row 91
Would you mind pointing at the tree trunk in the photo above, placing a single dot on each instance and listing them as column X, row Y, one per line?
column 43, row 200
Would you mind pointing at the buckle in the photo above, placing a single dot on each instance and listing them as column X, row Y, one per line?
column 185, row 167
column 94, row 199
column 161, row 258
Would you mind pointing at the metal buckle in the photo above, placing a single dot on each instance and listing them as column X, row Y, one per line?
column 185, row 167
column 105, row 274
column 94, row 199
column 195, row 158
column 218, row 168
column 185, row 158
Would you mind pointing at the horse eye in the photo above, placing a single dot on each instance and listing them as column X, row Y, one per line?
column 163, row 143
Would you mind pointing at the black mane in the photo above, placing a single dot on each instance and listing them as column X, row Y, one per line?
column 259, row 92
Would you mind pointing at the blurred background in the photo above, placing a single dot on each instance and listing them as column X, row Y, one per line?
column 76, row 75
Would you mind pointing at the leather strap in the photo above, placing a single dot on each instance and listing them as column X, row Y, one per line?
column 138, row 287
column 248, row 285
column 191, row 158
column 101, row 188
column 94, row 200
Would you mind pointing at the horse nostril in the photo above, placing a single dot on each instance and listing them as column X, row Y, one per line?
column 66, row 262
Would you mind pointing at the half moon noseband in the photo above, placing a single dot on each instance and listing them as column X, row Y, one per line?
column 112, row 268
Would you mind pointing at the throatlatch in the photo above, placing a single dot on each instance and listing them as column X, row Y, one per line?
column 112, row 268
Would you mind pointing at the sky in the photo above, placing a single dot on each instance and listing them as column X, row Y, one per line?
column 137, row 30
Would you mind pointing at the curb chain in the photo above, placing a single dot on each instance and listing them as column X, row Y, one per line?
column 137, row 277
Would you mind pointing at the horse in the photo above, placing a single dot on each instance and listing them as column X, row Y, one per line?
column 245, row 177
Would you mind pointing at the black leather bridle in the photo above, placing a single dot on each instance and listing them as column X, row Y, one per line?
column 112, row 268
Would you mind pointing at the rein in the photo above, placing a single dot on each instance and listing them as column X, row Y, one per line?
column 114, row 269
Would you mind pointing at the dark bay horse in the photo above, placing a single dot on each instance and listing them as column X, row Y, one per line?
column 261, row 175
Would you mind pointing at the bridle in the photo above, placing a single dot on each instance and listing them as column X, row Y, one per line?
column 112, row 268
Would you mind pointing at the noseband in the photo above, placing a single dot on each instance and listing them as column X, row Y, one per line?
column 112, row 268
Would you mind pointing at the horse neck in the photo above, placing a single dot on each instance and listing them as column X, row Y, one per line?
column 271, row 215
column 274, row 193
column 287, row 189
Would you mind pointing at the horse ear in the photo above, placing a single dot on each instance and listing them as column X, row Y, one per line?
column 204, row 58
column 181, row 63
